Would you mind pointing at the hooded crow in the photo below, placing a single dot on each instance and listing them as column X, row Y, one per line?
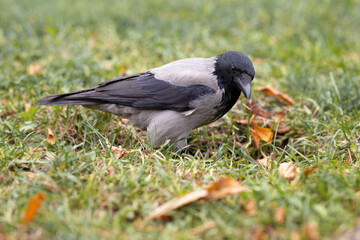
column 171, row 100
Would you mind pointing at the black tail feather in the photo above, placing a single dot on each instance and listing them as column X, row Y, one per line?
column 85, row 97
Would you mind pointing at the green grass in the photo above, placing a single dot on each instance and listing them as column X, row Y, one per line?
column 307, row 49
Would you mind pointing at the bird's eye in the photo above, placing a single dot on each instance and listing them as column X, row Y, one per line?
column 233, row 68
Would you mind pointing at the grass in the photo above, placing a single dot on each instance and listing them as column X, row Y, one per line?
column 307, row 49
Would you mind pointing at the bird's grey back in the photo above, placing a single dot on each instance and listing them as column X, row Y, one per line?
column 186, row 72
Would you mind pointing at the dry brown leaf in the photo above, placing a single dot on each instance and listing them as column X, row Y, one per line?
column 176, row 203
column 288, row 170
column 353, row 55
column 242, row 121
column 224, row 187
column 269, row 90
column 282, row 129
column 259, row 235
column 33, row 69
column 220, row 189
column 310, row 170
column 265, row 161
column 252, row 119
column 27, row 106
column 295, row 236
column 31, row 175
column 250, row 207
column 311, row 231
column 348, row 160
column 203, row 228
column 278, row 116
column 125, row 121
column 111, row 171
column 33, row 206
column 50, row 137
column 119, row 151
column 7, row 113
column 280, row 215
column 255, row 109
column 258, row 120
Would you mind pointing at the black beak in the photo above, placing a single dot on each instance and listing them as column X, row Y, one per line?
column 244, row 83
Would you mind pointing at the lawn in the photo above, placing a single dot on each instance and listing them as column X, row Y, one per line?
column 308, row 50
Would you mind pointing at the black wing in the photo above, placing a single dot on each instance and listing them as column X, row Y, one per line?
column 142, row 91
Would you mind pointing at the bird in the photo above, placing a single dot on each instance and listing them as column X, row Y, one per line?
column 171, row 100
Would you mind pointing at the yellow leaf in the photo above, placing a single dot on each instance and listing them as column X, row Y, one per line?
column 33, row 206
column 256, row 139
column 50, row 137
column 265, row 134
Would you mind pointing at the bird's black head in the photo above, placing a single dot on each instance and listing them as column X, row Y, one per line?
column 235, row 69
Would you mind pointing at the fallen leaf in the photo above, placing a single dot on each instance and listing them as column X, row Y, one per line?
column 353, row 55
column 295, row 236
column 288, row 170
column 265, row 161
column 348, row 160
column 269, row 90
column 224, row 187
column 27, row 106
column 278, row 116
column 203, row 228
column 111, row 171
column 119, row 151
column 262, row 133
column 259, row 235
column 220, row 189
column 33, row 69
column 282, row 129
column 7, row 113
column 31, row 175
column 258, row 60
column 176, row 203
column 310, row 170
column 311, row 231
column 33, row 206
column 280, row 215
column 257, row 120
column 50, row 137
column 265, row 134
column 255, row 109
column 250, row 208
column 256, row 139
